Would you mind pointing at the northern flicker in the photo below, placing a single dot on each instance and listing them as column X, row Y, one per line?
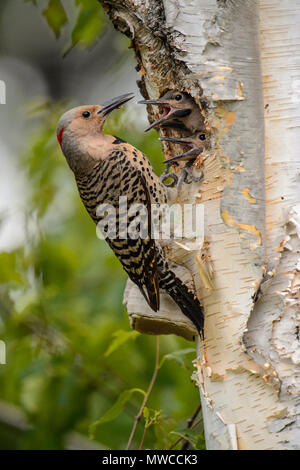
column 107, row 168
column 180, row 112
column 196, row 143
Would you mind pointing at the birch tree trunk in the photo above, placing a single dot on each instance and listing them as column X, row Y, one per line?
column 243, row 57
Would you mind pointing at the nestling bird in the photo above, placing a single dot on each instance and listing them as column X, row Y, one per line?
column 180, row 112
column 106, row 168
column 196, row 142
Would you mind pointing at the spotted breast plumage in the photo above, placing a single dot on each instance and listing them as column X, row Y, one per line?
column 111, row 173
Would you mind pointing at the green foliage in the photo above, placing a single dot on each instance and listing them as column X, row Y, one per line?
column 178, row 356
column 90, row 21
column 116, row 409
column 73, row 363
column 55, row 16
column 195, row 439
column 89, row 24
column 120, row 337
column 71, row 358
column 152, row 417
column 8, row 271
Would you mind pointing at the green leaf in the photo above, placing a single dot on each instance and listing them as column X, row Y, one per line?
column 187, row 434
column 151, row 416
column 89, row 23
column 177, row 356
column 55, row 15
column 200, row 443
column 8, row 271
column 120, row 337
column 146, row 413
column 115, row 410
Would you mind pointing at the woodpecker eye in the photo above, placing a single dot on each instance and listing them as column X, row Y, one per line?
column 86, row 114
column 178, row 97
column 202, row 137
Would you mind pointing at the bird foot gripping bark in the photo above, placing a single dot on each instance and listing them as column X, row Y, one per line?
column 166, row 175
column 186, row 176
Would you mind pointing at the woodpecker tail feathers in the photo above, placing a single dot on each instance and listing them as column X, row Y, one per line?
column 152, row 295
column 186, row 300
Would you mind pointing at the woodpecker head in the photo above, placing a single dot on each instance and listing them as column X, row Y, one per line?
column 196, row 142
column 87, row 120
column 176, row 105
column 78, row 127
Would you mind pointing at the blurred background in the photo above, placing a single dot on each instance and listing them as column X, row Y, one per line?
column 72, row 361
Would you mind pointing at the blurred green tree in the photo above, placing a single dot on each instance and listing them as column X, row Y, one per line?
column 73, row 364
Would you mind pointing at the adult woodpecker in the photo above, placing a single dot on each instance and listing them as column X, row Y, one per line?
column 179, row 112
column 106, row 168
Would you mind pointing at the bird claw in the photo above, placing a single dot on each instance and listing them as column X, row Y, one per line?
column 188, row 173
column 186, row 176
column 166, row 175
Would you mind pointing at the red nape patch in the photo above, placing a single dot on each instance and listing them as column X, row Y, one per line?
column 60, row 135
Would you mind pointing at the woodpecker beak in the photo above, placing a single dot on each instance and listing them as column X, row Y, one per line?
column 190, row 155
column 159, row 102
column 167, row 109
column 176, row 140
column 114, row 103
column 174, row 125
column 170, row 112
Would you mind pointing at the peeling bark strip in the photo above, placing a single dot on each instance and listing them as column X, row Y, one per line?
column 248, row 366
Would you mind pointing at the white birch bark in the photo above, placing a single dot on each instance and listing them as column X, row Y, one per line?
column 245, row 56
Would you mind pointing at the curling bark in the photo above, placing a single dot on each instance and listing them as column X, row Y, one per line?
column 243, row 57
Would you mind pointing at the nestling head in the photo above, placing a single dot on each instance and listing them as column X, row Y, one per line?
column 173, row 99
column 175, row 105
column 197, row 140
